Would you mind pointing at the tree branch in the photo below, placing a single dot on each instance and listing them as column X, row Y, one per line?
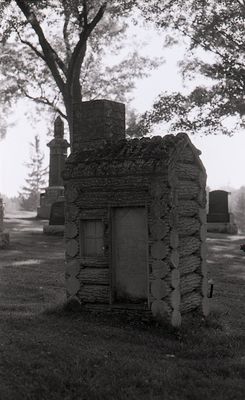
column 97, row 18
column 67, row 15
column 85, row 14
column 36, row 51
column 241, row 4
column 229, row 37
column 204, row 45
column 45, row 101
column 49, row 53
column 79, row 54
column 60, row 63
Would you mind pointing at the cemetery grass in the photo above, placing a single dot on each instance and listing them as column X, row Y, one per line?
column 51, row 353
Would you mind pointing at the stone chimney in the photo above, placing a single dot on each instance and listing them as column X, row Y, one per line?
column 58, row 154
column 97, row 121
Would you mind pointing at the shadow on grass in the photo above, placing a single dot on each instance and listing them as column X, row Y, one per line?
column 50, row 353
column 191, row 325
column 60, row 353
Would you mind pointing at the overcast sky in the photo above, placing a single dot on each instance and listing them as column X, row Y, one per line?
column 222, row 156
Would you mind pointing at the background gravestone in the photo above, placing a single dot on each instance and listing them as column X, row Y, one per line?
column 58, row 153
column 56, row 220
column 4, row 236
column 219, row 219
column 218, row 206
column 57, row 213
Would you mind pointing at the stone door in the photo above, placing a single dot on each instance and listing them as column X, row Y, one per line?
column 130, row 255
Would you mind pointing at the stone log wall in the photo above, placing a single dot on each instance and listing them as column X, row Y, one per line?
column 164, row 255
column 174, row 194
column 178, row 241
column 192, row 234
column 87, row 278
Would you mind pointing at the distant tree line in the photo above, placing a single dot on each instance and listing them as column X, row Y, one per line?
column 213, row 33
column 36, row 179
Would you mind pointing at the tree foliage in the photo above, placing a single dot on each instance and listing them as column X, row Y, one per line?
column 56, row 52
column 36, row 177
column 215, row 31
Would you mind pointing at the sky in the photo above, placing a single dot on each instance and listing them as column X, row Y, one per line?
column 222, row 156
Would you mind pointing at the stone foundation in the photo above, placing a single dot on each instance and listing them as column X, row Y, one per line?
column 56, row 230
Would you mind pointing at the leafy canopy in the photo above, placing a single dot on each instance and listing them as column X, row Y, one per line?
column 57, row 52
column 215, row 31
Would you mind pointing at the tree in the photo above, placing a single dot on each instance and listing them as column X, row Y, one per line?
column 36, row 178
column 62, row 63
column 10, row 203
column 215, row 33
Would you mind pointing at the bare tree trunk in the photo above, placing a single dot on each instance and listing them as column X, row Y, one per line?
column 72, row 113
column 66, row 77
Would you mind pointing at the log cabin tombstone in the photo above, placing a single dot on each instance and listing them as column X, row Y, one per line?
column 135, row 216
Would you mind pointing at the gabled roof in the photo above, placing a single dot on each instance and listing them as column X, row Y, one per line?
column 166, row 149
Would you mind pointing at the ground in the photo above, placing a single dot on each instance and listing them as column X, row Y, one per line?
column 50, row 353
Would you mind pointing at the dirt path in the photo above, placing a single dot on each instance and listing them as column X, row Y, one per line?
column 227, row 268
column 32, row 252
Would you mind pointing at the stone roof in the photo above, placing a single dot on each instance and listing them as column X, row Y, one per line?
column 157, row 147
column 144, row 152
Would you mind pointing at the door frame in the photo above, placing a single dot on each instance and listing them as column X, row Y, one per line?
column 112, row 265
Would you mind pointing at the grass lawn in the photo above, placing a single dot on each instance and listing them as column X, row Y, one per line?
column 49, row 353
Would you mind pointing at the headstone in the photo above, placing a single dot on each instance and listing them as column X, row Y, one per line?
column 58, row 153
column 56, row 220
column 218, row 206
column 1, row 215
column 219, row 218
column 4, row 236
column 57, row 214
column 134, row 220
